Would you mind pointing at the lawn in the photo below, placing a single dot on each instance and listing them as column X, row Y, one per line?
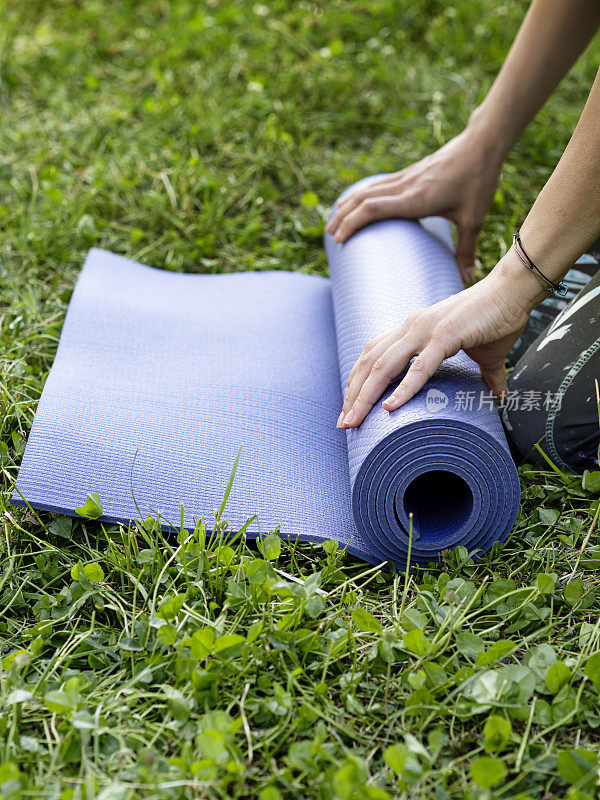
column 212, row 137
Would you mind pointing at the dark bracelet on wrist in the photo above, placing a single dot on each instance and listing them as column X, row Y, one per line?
column 558, row 288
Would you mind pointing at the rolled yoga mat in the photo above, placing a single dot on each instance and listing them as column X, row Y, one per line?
column 160, row 377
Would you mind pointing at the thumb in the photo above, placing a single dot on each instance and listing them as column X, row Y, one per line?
column 494, row 376
column 466, row 245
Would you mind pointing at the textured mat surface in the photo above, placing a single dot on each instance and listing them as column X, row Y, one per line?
column 160, row 377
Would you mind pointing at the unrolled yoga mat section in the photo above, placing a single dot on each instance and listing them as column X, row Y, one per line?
column 159, row 378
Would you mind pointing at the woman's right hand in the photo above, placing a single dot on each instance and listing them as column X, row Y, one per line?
column 458, row 182
column 484, row 320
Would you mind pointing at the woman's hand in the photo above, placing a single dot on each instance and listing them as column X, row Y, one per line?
column 457, row 182
column 484, row 320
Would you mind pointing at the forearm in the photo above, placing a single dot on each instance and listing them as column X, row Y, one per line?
column 565, row 218
column 552, row 36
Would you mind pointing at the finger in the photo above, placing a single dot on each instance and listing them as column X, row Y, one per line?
column 361, row 371
column 356, row 198
column 370, row 353
column 341, row 416
column 423, row 367
column 384, row 370
column 378, row 182
column 372, row 209
column 495, row 378
column 375, row 348
column 466, row 247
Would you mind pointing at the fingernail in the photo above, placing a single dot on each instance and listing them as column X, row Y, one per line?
column 391, row 400
column 349, row 417
column 339, row 419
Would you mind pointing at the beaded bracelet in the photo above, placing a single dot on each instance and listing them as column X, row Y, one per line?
column 557, row 288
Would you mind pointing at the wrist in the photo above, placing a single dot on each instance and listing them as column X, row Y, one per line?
column 522, row 290
column 490, row 134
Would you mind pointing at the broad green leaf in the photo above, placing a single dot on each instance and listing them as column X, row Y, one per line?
column 62, row 526
column 93, row 572
column 540, row 659
column 167, row 635
column 201, row 643
column 488, row 771
column 523, row 678
column 59, row 702
column 286, row 622
column 499, row 588
column 585, row 632
column 417, row 679
column 435, row 674
column 591, row 481
column 469, row 644
column 10, row 781
column 374, row 793
column 547, row 516
column 436, row 739
column 542, row 714
column 229, row 646
column 484, row 688
column 458, row 590
column 259, row 570
column 415, row 746
column 314, row 606
column 312, row 583
column 495, row 652
column 574, row 591
column 171, row 606
column 92, row 508
column 416, row 642
column 352, row 773
column 496, row 733
column 269, row 793
column 179, row 705
column 592, row 669
column 365, row 621
column 83, row 721
column 254, row 631
column 270, row 547
column 578, row 767
column 412, row 618
column 130, row 645
column 404, row 763
column 330, row 546
column 19, row 658
column 546, row 583
column 558, row 674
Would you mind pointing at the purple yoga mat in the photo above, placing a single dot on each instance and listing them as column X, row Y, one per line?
column 160, row 377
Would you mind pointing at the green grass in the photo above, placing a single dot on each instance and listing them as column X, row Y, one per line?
column 185, row 135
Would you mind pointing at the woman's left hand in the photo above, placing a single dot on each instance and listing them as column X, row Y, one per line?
column 484, row 320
